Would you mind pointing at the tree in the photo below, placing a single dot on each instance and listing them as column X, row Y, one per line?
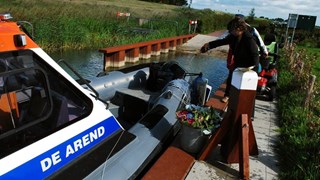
column 190, row 2
column 251, row 15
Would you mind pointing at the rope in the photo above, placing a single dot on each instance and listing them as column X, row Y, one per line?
column 115, row 145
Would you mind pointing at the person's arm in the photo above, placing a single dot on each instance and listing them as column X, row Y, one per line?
column 254, row 53
column 215, row 43
column 261, row 44
column 219, row 42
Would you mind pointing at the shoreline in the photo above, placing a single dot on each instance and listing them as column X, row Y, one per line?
column 194, row 45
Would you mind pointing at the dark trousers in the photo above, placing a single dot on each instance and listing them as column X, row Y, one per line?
column 228, row 84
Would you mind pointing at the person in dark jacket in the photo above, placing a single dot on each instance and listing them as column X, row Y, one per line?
column 243, row 47
column 230, row 64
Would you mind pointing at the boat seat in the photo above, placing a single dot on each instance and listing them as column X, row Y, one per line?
column 138, row 93
column 28, row 78
column 60, row 113
column 11, row 84
column 36, row 107
column 154, row 116
column 131, row 108
column 139, row 80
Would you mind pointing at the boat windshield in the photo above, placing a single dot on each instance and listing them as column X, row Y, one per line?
column 35, row 100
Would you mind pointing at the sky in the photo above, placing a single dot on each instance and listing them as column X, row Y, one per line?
column 266, row 8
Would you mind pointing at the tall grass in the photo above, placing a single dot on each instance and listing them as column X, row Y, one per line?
column 90, row 25
column 315, row 52
column 76, row 26
column 298, row 149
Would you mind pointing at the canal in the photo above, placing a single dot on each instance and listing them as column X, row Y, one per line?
column 90, row 62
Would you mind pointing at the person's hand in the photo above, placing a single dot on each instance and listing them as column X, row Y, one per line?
column 204, row 48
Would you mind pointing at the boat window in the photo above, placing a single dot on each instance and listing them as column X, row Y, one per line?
column 35, row 100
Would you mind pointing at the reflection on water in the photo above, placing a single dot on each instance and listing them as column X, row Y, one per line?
column 89, row 63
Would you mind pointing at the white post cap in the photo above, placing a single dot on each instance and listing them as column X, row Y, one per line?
column 244, row 79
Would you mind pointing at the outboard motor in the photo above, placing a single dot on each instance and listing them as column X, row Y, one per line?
column 199, row 90
column 161, row 74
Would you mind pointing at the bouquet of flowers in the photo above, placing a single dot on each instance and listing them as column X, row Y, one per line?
column 205, row 118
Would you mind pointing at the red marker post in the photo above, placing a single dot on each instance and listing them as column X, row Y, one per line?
column 121, row 14
column 193, row 23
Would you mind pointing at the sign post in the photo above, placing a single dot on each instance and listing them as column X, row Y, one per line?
column 292, row 23
column 120, row 14
column 193, row 23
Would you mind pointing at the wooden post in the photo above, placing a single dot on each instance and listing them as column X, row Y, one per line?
column 145, row 52
column 309, row 90
column 164, row 47
column 132, row 55
column 244, row 148
column 155, row 49
column 242, row 97
column 172, row 45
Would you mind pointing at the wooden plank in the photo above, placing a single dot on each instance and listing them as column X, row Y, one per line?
column 173, row 164
column 244, row 148
column 217, row 138
column 215, row 100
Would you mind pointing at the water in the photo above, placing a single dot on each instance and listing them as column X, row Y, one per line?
column 89, row 63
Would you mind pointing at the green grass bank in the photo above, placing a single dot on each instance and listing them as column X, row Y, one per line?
column 93, row 24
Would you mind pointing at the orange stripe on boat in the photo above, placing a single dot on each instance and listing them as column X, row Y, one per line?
column 7, row 32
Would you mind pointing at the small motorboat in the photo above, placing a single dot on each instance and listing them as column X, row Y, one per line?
column 106, row 127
